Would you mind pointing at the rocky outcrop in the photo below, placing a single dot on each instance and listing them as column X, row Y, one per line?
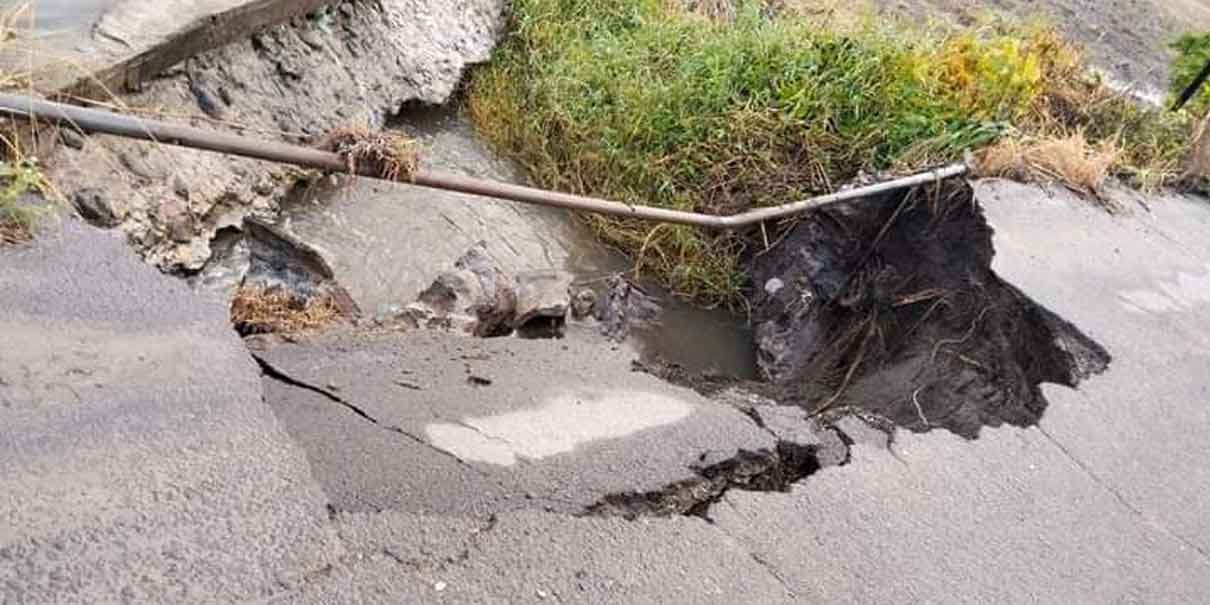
column 355, row 63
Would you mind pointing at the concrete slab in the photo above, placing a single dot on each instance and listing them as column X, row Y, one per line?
column 137, row 459
column 529, row 556
column 1102, row 502
column 493, row 424
column 1009, row 518
column 1139, row 283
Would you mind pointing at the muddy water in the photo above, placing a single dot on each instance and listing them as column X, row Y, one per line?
column 521, row 237
column 701, row 340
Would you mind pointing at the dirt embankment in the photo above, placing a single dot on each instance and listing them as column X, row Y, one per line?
column 354, row 64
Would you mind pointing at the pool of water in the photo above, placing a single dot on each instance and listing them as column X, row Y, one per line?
column 701, row 340
column 391, row 239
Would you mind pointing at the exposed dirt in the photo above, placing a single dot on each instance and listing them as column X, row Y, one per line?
column 890, row 306
column 1127, row 38
column 803, row 448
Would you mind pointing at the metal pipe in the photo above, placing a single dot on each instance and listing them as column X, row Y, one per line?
column 761, row 215
column 1192, row 88
column 105, row 122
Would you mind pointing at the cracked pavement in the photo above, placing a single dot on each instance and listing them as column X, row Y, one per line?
column 146, row 455
column 487, row 425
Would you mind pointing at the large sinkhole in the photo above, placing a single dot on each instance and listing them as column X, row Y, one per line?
column 889, row 305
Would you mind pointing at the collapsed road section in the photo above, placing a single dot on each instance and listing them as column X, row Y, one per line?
column 890, row 306
column 868, row 315
column 885, row 304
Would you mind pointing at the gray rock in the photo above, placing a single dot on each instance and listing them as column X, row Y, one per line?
column 72, row 138
column 278, row 259
column 860, row 432
column 95, row 206
column 140, row 164
column 626, row 306
column 178, row 223
column 180, row 187
column 476, row 296
column 542, row 294
column 312, row 39
column 583, row 304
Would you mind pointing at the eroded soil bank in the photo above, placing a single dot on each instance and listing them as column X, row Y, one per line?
column 889, row 305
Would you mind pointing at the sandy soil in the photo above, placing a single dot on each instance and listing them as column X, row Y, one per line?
column 1127, row 38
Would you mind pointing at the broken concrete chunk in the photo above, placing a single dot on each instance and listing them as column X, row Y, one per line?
column 95, row 206
column 860, row 432
column 583, row 304
column 541, row 295
column 791, row 425
column 477, row 297
column 278, row 260
column 626, row 306
column 72, row 138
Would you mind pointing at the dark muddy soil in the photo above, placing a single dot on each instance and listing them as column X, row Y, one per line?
column 890, row 306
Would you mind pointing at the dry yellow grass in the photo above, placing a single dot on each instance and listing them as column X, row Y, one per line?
column 386, row 155
column 1068, row 160
column 12, row 233
column 270, row 310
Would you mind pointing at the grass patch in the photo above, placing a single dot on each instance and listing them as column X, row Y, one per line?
column 1068, row 160
column 649, row 102
column 18, row 219
column 272, row 310
column 1192, row 55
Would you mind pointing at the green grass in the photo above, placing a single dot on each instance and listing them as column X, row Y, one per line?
column 18, row 220
column 1192, row 54
column 636, row 101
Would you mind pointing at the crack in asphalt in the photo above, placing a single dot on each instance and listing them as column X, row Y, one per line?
column 1117, row 494
column 277, row 374
column 773, row 571
column 769, row 567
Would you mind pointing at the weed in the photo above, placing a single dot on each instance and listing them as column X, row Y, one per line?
column 647, row 101
column 18, row 219
column 1192, row 55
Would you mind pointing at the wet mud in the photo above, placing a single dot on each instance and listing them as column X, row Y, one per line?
column 890, row 306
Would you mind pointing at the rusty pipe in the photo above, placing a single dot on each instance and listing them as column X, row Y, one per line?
column 106, row 122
